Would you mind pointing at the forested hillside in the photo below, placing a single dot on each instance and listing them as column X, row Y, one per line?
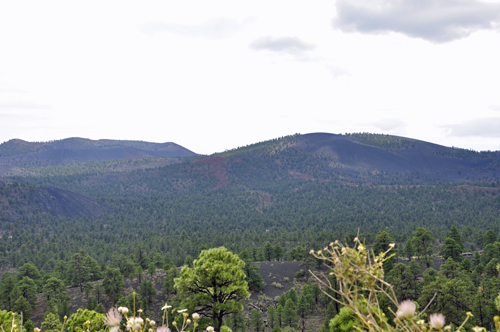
column 119, row 215
column 297, row 190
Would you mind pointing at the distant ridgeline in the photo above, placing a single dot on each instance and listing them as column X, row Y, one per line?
column 384, row 141
column 397, row 143
column 106, row 196
column 79, row 150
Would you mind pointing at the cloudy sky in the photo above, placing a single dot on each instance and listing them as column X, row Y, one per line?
column 215, row 75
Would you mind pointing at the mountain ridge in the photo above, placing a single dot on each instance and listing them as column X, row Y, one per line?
column 84, row 150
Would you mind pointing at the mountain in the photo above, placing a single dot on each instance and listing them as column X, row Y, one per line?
column 22, row 200
column 81, row 150
column 294, row 190
column 371, row 152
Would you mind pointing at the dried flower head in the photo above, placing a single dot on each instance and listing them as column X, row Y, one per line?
column 196, row 316
column 210, row 329
column 406, row 309
column 113, row 319
column 436, row 321
column 123, row 310
column 163, row 328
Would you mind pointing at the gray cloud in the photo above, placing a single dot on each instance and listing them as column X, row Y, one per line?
column 290, row 45
column 389, row 124
column 434, row 20
column 487, row 127
column 215, row 28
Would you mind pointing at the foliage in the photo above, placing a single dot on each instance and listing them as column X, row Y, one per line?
column 422, row 240
column 147, row 291
column 51, row 323
column 7, row 318
column 215, row 285
column 21, row 305
column 113, row 283
column 256, row 321
column 360, row 283
column 75, row 322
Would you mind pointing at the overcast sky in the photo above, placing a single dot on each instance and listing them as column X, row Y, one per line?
column 215, row 75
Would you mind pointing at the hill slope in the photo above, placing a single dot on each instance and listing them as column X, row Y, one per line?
column 81, row 150
column 22, row 200
column 371, row 152
column 302, row 189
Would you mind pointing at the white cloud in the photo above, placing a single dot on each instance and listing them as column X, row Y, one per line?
column 289, row 45
column 22, row 105
column 215, row 28
column 389, row 124
column 434, row 20
column 337, row 72
column 486, row 127
column 494, row 107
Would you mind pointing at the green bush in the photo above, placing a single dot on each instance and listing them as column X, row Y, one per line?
column 75, row 322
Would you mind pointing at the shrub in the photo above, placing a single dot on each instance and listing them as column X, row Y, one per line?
column 360, row 280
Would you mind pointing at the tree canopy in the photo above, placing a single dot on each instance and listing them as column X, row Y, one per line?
column 215, row 285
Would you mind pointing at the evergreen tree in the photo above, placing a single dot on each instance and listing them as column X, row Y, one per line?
column 489, row 238
column 451, row 249
column 236, row 322
column 139, row 272
column 271, row 316
column 168, row 283
column 409, row 250
column 151, row 269
column 28, row 326
column 147, row 291
column 79, row 270
column 141, row 258
column 188, row 261
column 51, row 323
column 100, row 308
column 330, row 313
column 256, row 320
column 453, row 299
column 268, row 251
column 113, row 283
column 29, row 270
column 278, row 252
column 22, row 305
column 422, row 240
column 220, row 271
column 455, row 235
column 54, row 289
column 26, row 288
column 98, row 292
column 289, row 314
column 7, row 284
column 279, row 314
column 91, row 303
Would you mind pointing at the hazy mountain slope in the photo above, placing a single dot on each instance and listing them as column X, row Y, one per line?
column 397, row 154
column 302, row 189
column 79, row 150
column 23, row 200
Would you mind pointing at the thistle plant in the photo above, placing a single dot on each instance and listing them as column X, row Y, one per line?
column 359, row 275
column 135, row 323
